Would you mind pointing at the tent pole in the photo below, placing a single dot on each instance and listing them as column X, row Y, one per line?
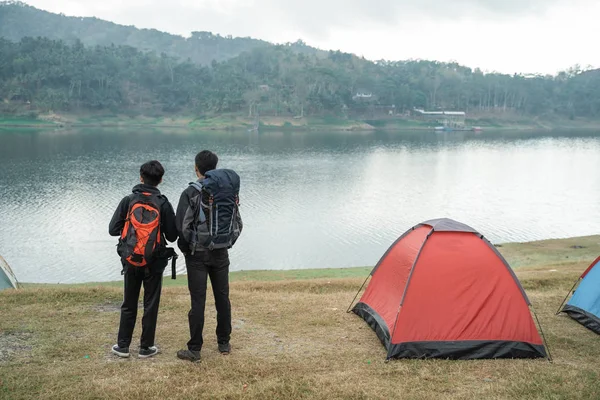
column 361, row 288
column 568, row 294
column 543, row 335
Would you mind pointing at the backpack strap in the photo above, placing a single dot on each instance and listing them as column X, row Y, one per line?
column 198, row 186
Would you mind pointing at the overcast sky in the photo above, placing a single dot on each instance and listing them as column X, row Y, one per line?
column 508, row 36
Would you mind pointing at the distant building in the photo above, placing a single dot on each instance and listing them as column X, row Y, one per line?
column 363, row 95
column 454, row 119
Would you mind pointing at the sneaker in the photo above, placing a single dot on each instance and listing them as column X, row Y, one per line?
column 225, row 348
column 190, row 355
column 122, row 352
column 147, row 352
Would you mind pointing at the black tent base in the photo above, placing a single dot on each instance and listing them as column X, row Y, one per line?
column 586, row 319
column 467, row 350
column 453, row 350
column 374, row 321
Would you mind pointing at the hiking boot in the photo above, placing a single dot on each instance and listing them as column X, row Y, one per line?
column 225, row 348
column 147, row 352
column 122, row 352
column 190, row 355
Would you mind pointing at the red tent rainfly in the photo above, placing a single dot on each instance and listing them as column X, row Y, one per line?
column 443, row 291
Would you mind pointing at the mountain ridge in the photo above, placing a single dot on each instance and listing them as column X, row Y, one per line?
column 19, row 20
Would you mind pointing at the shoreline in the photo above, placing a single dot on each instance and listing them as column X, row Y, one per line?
column 520, row 255
column 236, row 123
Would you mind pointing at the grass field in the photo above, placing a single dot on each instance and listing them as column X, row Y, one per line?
column 292, row 339
column 17, row 122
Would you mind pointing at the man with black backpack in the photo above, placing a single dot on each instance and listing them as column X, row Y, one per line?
column 208, row 224
column 143, row 220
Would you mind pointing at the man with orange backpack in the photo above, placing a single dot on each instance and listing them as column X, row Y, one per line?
column 143, row 220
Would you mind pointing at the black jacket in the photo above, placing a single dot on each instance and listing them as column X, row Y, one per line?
column 167, row 219
column 184, row 203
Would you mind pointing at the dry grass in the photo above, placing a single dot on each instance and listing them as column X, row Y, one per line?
column 553, row 252
column 292, row 339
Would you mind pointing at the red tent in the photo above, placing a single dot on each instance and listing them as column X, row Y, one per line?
column 442, row 290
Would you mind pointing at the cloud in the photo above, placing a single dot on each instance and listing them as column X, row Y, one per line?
column 309, row 18
column 492, row 34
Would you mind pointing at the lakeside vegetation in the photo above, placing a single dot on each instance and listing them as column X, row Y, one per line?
column 214, row 123
column 86, row 68
column 230, row 122
column 292, row 339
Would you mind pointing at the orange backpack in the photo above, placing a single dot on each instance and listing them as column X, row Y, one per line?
column 141, row 237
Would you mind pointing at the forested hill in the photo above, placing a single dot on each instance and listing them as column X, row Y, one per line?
column 19, row 20
column 45, row 75
column 79, row 75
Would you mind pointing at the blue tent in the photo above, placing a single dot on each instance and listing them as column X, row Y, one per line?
column 7, row 278
column 584, row 305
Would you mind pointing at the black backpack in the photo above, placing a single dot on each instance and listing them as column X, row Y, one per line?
column 212, row 220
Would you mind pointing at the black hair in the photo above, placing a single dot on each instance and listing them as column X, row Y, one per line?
column 152, row 172
column 206, row 161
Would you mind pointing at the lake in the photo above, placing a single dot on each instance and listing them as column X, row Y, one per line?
column 309, row 200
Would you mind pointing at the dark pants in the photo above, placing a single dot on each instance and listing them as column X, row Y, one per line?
column 199, row 266
column 134, row 278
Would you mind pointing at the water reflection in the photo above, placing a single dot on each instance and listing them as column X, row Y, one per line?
column 309, row 200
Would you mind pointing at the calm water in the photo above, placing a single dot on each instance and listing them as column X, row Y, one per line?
column 308, row 200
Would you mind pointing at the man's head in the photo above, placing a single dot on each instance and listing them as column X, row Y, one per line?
column 151, row 173
column 206, row 161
